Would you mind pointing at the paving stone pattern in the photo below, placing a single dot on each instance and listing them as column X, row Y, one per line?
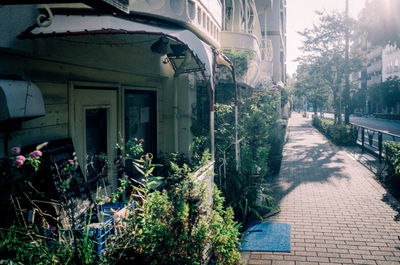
column 338, row 212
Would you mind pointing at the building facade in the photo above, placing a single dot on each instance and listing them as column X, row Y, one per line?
column 102, row 74
column 390, row 62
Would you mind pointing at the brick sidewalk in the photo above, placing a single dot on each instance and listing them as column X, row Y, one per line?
column 338, row 212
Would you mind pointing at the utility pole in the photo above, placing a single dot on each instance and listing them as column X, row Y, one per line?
column 346, row 92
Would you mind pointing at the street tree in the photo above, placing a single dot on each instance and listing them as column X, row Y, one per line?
column 324, row 46
column 311, row 86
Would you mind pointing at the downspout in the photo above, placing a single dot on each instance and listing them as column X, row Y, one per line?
column 210, row 91
column 175, row 111
column 211, row 96
column 237, row 150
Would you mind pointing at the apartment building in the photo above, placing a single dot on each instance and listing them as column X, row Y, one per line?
column 390, row 62
column 276, row 32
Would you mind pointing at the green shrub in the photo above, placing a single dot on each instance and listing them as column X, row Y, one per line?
column 344, row 135
column 174, row 226
column 391, row 180
column 225, row 232
column 392, row 154
column 260, row 151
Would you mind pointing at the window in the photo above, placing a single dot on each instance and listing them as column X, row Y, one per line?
column 141, row 121
column 199, row 16
column 96, row 141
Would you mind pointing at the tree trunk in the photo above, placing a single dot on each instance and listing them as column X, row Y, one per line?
column 315, row 109
column 340, row 111
column 335, row 107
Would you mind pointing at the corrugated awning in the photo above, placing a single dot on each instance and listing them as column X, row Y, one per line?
column 78, row 25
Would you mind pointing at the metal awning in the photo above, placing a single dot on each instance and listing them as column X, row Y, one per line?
column 185, row 51
column 78, row 25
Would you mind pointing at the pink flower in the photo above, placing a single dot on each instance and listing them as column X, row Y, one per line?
column 71, row 162
column 35, row 154
column 15, row 150
column 20, row 158
column 141, row 141
column 107, row 200
column 126, row 177
column 135, row 139
column 18, row 163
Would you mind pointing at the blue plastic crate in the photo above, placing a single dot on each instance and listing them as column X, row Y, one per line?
column 103, row 233
column 106, row 208
column 115, row 206
column 100, row 235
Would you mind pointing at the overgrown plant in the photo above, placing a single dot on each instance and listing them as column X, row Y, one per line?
column 392, row 177
column 173, row 226
column 261, row 146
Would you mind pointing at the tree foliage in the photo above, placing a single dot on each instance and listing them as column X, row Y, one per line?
column 385, row 94
column 380, row 21
column 311, row 86
column 324, row 53
column 240, row 60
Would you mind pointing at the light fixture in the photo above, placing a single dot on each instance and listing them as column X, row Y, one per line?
column 160, row 46
column 178, row 49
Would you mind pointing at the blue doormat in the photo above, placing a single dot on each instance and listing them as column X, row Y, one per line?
column 266, row 236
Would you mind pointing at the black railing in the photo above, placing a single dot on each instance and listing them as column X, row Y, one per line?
column 371, row 139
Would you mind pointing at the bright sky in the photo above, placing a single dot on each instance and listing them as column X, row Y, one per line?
column 301, row 15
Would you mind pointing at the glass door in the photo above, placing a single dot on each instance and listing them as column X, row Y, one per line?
column 96, row 135
column 140, row 118
column 140, row 121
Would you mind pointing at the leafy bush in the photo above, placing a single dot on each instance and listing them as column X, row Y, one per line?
column 174, row 226
column 260, row 151
column 387, row 116
column 392, row 154
column 344, row 135
column 391, row 180
column 224, row 236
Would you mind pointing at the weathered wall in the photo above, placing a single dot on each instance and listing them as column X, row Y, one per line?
column 53, row 77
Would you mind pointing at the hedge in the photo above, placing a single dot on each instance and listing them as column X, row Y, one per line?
column 344, row 135
column 387, row 116
column 392, row 154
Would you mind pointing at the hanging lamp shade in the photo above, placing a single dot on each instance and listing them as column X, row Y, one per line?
column 160, row 46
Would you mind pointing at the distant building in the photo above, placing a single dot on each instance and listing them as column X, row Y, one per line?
column 390, row 62
column 276, row 32
column 374, row 67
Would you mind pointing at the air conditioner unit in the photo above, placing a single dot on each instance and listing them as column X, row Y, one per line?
column 20, row 100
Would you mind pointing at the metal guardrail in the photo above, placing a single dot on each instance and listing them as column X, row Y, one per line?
column 371, row 139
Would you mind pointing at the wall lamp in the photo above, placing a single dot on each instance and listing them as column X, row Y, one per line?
column 160, row 46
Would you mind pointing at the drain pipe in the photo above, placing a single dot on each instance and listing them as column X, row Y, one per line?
column 237, row 149
column 175, row 113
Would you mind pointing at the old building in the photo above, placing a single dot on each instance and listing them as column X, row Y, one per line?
column 104, row 72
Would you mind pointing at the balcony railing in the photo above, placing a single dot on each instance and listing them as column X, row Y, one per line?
column 204, row 17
